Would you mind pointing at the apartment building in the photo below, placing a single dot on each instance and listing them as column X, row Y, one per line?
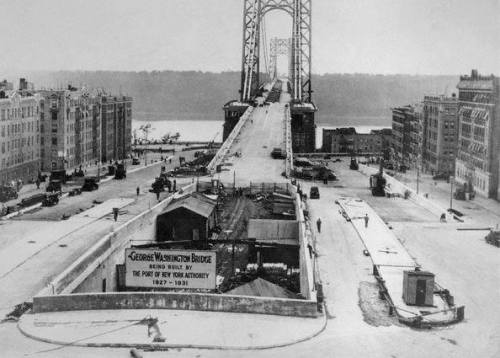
column 477, row 163
column 440, row 134
column 116, row 126
column 19, row 136
column 407, row 131
column 347, row 140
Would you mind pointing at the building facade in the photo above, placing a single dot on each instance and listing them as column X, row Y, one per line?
column 116, row 127
column 347, row 140
column 440, row 134
column 70, row 129
column 19, row 136
column 407, row 132
column 57, row 129
column 477, row 163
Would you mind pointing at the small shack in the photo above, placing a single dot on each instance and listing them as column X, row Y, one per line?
column 190, row 218
column 418, row 288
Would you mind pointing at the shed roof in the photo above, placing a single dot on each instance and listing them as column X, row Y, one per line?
column 274, row 231
column 196, row 203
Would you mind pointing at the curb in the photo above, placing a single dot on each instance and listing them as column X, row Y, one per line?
column 163, row 346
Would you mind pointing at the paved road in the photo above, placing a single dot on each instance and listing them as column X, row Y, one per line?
column 34, row 250
column 262, row 132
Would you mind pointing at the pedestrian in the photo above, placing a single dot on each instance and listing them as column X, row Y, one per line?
column 115, row 213
column 38, row 183
column 318, row 224
column 175, row 186
column 366, row 220
column 137, row 191
column 443, row 218
column 158, row 194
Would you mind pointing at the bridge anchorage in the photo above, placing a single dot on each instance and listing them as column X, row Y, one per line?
column 297, row 48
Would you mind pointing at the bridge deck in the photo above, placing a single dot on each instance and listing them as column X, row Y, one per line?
column 249, row 159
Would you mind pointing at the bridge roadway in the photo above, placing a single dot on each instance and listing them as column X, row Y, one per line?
column 249, row 158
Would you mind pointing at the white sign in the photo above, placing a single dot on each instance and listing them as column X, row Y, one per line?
column 170, row 268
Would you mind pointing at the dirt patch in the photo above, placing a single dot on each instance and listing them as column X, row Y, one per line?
column 375, row 311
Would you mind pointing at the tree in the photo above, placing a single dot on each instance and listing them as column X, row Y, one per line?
column 146, row 129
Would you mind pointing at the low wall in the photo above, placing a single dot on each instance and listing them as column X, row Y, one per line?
column 87, row 272
column 224, row 149
column 306, row 260
column 171, row 300
column 288, row 142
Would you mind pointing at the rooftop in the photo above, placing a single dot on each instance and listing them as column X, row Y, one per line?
column 195, row 202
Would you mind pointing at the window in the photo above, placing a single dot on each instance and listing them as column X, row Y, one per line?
column 54, row 141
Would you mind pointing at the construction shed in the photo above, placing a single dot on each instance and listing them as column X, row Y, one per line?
column 190, row 218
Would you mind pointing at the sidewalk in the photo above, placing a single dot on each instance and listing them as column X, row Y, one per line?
column 181, row 329
column 480, row 210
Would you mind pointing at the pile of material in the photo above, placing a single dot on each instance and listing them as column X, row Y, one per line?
column 493, row 238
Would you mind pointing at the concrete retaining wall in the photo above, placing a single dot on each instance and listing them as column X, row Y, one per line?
column 307, row 284
column 171, row 300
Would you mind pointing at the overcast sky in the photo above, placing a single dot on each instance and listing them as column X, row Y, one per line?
column 369, row 36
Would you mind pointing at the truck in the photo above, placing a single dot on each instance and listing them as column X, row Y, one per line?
column 90, row 184
column 59, row 174
column 378, row 182
column 54, row 186
column 121, row 172
column 354, row 164
column 278, row 153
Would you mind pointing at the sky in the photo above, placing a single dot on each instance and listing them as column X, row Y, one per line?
column 349, row 36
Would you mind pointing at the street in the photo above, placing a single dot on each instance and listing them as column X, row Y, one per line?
column 358, row 324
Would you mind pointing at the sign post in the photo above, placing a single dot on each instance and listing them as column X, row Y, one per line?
column 184, row 269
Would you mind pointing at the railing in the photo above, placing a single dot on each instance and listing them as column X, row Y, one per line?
column 224, row 149
column 288, row 142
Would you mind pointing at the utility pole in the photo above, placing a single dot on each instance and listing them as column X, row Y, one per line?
column 452, row 179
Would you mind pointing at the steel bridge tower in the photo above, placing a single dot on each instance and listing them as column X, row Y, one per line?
column 279, row 47
column 253, row 13
column 302, row 108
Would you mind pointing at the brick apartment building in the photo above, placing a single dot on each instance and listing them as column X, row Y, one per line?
column 347, row 140
column 440, row 134
column 407, row 132
column 19, row 136
column 116, row 128
column 477, row 163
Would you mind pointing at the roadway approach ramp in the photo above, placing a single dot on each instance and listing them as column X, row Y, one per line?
column 249, row 157
column 390, row 261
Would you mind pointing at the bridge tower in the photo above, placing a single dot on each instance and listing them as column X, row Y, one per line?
column 302, row 108
column 279, row 47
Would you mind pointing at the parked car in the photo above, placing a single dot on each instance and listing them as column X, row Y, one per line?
column 135, row 161
column 50, row 199
column 7, row 193
column 278, row 153
column 90, row 184
column 53, row 186
column 314, row 192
